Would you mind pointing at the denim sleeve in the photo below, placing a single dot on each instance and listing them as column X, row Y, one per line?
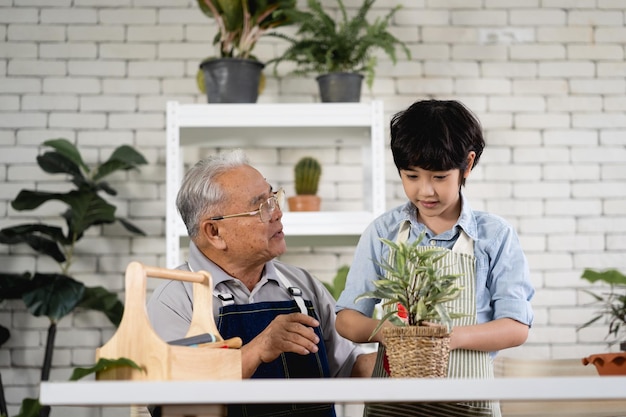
column 363, row 271
column 507, row 286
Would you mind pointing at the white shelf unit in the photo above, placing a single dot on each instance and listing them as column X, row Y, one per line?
column 291, row 125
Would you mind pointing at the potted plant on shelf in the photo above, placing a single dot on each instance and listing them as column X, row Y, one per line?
column 340, row 51
column 613, row 309
column 307, row 173
column 414, row 292
column 56, row 294
column 234, row 76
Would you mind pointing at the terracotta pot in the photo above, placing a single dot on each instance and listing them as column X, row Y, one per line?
column 304, row 203
column 608, row 363
column 417, row 351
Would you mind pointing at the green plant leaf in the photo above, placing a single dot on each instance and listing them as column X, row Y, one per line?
column 87, row 209
column 41, row 238
column 55, row 163
column 68, row 150
column 101, row 299
column 104, row 364
column 609, row 276
column 339, row 282
column 415, row 277
column 30, row 408
column 13, row 286
column 53, row 296
column 130, row 227
column 123, row 158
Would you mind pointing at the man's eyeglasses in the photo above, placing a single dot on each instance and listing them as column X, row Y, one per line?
column 266, row 209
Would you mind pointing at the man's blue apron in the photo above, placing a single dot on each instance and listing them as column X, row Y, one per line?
column 247, row 321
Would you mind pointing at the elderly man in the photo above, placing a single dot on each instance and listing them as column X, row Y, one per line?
column 284, row 316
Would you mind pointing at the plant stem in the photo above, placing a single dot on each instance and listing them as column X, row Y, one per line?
column 47, row 362
column 3, row 402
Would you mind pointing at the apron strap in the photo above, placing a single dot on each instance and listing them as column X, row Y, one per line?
column 464, row 244
column 296, row 293
column 228, row 299
column 403, row 233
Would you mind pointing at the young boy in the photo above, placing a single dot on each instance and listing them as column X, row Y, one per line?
column 435, row 144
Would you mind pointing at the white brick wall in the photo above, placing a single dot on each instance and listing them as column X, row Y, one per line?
column 547, row 80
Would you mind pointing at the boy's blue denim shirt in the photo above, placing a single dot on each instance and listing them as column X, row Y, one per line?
column 503, row 287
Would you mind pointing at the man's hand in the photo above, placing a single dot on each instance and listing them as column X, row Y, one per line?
column 286, row 333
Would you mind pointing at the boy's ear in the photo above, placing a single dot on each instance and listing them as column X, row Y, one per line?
column 471, row 157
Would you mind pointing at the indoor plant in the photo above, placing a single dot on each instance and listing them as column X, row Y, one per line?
column 613, row 309
column 55, row 295
column 340, row 52
column 414, row 292
column 234, row 76
column 307, row 173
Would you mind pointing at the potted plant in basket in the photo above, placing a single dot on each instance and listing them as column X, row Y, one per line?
column 56, row 294
column 340, row 51
column 414, row 291
column 234, row 76
column 307, row 173
column 612, row 308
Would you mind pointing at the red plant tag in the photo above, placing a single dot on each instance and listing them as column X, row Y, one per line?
column 402, row 313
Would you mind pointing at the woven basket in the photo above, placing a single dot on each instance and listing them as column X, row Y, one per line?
column 417, row 351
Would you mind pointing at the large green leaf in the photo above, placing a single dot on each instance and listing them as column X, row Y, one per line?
column 609, row 276
column 5, row 334
column 130, row 227
column 122, row 158
column 101, row 299
column 13, row 286
column 68, row 150
column 30, row 408
column 55, row 163
column 54, row 296
column 104, row 364
column 42, row 238
column 88, row 209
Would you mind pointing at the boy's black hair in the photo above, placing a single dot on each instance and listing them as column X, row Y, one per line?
column 436, row 135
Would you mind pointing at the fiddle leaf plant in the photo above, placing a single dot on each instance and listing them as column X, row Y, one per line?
column 56, row 294
column 415, row 286
column 612, row 303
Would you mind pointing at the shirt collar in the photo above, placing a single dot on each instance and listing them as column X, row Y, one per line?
column 466, row 221
column 199, row 262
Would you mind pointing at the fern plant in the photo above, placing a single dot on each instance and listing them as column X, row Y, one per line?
column 612, row 304
column 324, row 45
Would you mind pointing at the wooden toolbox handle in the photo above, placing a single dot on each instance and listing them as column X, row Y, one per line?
column 136, row 339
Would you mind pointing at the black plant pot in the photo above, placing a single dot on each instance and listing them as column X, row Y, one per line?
column 340, row 87
column 232, row 80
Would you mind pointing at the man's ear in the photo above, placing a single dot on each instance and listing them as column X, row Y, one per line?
column 210, row 232
column 471, row 157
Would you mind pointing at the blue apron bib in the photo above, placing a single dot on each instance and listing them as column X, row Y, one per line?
column 247, row 321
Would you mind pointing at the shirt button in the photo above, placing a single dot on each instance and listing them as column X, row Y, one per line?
column 433, row 242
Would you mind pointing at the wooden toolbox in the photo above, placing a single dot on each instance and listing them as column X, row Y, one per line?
column 135, row 338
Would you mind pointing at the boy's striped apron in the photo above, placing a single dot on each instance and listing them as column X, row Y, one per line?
column 462, row 363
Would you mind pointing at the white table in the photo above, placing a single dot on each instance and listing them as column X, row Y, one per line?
column 194, row 393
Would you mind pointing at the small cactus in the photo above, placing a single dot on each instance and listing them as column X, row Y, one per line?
column 307, row 175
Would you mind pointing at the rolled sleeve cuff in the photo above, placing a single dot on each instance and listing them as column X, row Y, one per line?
column 519, row 310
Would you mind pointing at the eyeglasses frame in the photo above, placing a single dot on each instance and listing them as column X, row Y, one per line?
column 278, row 197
